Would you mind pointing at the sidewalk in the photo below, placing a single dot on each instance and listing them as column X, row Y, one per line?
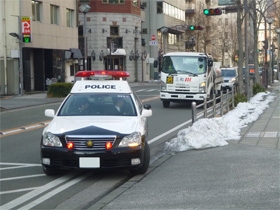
column 265, row 131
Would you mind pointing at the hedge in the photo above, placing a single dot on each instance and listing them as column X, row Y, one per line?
column 59, row 89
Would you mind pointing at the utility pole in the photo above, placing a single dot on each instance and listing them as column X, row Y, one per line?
column 247, row 80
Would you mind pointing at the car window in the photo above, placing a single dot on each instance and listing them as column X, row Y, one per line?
column 228, row 73
column 138, row 103
column 95, row 104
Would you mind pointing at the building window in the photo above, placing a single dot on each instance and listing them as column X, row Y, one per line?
column 226, row 35
column 114, row 31
column 170, row 10
column 172, row 39
column 159, row 7
column 135, row 3
column 113, row 1
column 70, row 17
column 36, row 10
column 226, row 21
column 54, row 14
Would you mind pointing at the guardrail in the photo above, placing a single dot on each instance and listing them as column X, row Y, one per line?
column 211, row 108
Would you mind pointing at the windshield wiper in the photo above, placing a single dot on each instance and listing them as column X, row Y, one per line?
column 187, row 72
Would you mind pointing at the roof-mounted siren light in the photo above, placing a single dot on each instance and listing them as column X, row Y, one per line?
column 101, row 75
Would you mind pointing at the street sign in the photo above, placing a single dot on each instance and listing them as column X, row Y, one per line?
column 153, row 37
column 226, row 2
column 153, row 43
column 26, row 29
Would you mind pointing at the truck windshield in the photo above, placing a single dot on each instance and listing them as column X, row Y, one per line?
column 184, row 65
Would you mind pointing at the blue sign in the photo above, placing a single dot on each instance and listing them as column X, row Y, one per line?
column 226, row 2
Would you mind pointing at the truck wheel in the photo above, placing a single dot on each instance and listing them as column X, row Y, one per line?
column 146, row 162
column 166, row 104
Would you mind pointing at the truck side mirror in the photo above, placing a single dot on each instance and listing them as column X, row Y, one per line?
column 155, row 63
column 210, row 62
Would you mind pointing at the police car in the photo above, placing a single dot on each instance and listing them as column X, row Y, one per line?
column 101, row 124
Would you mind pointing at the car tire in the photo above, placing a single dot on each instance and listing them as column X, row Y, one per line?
column 50, row 171
column 166, row 104
column 146, row 162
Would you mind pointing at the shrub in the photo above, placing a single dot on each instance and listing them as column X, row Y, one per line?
column 59, row 89
column 239, row 98
column 257, row 88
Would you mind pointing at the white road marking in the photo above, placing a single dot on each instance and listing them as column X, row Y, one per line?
column 19, row 190
column 54, row 192
column 168, row 132
column 21, row 177
column 140, row 90
column 17, row 165
column 39, row 190
column 20, row 164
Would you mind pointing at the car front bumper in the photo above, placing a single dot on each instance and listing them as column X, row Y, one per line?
column 63, row 158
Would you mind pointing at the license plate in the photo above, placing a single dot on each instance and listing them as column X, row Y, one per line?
column 89, row 162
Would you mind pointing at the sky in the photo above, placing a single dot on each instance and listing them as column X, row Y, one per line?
column 214, row 132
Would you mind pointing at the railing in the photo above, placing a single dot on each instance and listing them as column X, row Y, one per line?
column 213, row 109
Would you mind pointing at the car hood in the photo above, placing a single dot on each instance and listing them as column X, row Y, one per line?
column 92, row 125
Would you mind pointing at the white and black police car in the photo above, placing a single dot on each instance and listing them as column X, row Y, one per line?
column 101, row 124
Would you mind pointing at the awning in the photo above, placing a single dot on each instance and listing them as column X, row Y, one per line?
column 119, row 51
column 178, row 29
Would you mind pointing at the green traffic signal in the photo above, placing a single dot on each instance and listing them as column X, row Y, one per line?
column 206, row 11
column 195, row 27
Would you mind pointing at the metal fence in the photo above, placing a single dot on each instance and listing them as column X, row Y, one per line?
column 214, row 107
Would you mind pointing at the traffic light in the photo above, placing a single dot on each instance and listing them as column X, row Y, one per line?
column 265, row 46
column 26, row 39
column 210, row 12
column 193, row 27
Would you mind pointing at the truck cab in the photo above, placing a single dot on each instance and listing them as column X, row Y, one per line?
column 186, row 77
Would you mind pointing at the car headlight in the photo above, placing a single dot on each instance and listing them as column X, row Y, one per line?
column 131, row 140
column 51, row 140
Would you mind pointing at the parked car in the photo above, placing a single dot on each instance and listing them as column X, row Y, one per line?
column 260, row 70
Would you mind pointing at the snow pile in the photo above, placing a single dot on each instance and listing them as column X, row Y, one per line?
column 214, row 132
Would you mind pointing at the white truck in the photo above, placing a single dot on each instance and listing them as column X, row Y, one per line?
column 188, row 76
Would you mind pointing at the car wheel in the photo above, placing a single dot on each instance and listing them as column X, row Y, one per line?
column 166, row 104
column 146, row 162
column 50, row 171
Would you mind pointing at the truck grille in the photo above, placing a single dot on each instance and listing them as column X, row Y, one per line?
column 91, row 143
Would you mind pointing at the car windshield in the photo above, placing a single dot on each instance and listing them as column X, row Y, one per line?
column 184, row 65
column 228, row 73
column 98, row 104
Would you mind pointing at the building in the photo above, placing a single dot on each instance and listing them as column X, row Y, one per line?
column 122, row 35
column 39, row 40
column 112, row 33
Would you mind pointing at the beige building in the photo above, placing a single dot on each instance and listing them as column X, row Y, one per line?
column 34, row 38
